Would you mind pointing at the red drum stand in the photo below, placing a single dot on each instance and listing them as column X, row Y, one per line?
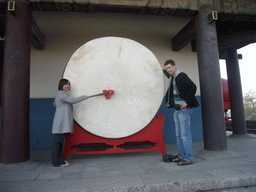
column 148, row 139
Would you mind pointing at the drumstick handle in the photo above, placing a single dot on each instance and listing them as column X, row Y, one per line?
column 99, row 94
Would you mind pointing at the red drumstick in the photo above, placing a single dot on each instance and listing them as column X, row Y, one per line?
column 106, row 93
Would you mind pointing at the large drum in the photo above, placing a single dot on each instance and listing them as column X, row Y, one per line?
column 122, row 65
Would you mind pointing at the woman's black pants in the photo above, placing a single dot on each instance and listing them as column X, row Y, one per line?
column 57, row 150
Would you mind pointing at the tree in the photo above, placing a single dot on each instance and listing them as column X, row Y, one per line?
column 250, row 105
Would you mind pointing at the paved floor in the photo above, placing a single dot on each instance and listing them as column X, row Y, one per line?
column 144, row 171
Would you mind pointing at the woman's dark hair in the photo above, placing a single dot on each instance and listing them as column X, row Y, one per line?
column 63, row 82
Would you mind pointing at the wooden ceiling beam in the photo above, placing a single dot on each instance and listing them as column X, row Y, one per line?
column 37, row 38
column 185, row 36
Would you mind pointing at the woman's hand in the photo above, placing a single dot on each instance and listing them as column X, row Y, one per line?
column 87, row 96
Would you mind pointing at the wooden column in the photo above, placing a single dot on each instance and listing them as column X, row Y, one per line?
column 16, row 85
column 214, row 129
column 235, row 93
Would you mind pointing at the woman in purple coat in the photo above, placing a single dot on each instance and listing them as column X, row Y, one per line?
column 63, row 120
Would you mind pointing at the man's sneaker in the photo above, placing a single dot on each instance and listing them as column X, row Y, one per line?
column 177, row 159
column 184, row 162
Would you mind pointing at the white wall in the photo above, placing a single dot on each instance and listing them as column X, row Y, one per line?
column 66, row 32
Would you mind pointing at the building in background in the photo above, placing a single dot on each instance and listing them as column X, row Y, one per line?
column 39, row 37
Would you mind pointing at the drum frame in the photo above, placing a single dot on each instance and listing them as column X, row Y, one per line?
column 148, row 139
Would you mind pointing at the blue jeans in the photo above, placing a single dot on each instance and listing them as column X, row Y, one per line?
column 182, row 119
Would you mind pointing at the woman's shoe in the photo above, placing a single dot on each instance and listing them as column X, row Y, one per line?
column 65, row 164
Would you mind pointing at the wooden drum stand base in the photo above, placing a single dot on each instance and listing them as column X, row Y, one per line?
column 148, row 139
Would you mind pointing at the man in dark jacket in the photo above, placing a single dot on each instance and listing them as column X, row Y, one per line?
column 181, row 96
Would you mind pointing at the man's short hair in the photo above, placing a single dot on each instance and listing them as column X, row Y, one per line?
column 169, row 62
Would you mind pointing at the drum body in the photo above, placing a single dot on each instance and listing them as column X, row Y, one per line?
column 122, row 65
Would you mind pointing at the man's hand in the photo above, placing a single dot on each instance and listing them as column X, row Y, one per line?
column 183, row 106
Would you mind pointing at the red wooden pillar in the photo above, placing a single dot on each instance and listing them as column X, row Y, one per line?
column 210, row 83
column 16, row 85
column 235, row 94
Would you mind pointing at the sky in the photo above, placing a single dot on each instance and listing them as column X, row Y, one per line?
column 247, row 67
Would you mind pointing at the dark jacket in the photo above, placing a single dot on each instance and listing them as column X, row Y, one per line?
column 186, row 89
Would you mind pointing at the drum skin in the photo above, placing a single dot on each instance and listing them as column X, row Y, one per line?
column 122, row 65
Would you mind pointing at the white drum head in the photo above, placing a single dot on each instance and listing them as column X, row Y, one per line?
column 126, row 67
